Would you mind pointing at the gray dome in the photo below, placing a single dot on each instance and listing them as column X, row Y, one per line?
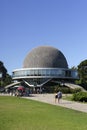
column 45, row 57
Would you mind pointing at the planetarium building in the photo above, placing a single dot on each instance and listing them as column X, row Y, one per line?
column 42, row 65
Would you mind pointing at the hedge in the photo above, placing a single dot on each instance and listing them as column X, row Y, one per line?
column 80, row 96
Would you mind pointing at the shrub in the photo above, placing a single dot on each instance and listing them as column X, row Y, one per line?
column 66, row 90
column 80, row 96
column 63, row 89
column 75, row 90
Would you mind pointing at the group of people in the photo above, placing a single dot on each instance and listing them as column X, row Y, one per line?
column 58, row 96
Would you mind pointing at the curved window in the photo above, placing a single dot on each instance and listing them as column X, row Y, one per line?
column 50, row 72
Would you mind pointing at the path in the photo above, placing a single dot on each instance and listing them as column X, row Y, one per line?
column 49, row 98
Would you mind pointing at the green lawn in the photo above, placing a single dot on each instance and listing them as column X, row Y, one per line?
column 23, row 114
column 68, row 97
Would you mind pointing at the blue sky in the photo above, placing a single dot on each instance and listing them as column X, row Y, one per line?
column 26, row 24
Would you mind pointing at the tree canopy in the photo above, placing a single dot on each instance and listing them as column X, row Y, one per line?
column 3, row 70
column 82, row 71
column 5, row 78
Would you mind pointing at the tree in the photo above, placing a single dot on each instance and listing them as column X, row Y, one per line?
column 3, row 71
column 5, row 78
column 74, row 68
column 82, row 71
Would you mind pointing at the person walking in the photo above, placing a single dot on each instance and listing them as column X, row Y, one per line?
column 59, row 95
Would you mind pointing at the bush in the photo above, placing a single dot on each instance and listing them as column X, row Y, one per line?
column 80, row 96
column 63, row 89
column 75, row 90
column 66, row 90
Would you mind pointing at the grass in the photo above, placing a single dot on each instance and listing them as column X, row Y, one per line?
column 23, row 114
column 68, row 97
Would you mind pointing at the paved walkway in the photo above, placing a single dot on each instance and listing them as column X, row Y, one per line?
column 49, row 98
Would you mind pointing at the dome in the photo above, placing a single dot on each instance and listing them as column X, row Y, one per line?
column 45, row 57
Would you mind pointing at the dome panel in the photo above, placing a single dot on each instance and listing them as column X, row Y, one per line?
column 45, row 57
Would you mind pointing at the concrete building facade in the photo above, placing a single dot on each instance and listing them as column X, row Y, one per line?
column 44, row 64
